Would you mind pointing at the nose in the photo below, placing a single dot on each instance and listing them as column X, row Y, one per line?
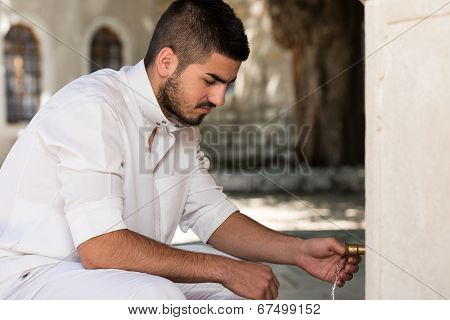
column 217, row 95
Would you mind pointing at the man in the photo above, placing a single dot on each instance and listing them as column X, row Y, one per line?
column 93, row 190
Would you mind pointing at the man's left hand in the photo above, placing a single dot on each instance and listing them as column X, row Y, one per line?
column 320, row 256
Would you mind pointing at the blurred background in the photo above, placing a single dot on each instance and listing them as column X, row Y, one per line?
column 288, row 147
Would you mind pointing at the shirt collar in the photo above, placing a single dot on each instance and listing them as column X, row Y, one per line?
column 146, row 98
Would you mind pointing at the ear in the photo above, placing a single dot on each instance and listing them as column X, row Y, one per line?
column 166, row 62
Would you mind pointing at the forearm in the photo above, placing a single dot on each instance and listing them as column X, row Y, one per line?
column 243, row 237
column 127, row 250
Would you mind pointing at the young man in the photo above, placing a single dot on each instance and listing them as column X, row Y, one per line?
column 93, row 190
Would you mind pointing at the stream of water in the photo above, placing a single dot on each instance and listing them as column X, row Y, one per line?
column 339, row 266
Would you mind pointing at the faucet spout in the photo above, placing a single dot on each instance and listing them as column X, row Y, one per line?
column 354, row 249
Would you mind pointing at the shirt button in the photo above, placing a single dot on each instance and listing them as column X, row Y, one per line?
column 164, row 121
column 158, row 124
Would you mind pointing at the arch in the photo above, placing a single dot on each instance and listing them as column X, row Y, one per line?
column 115, row 25
column 106, row 50
column 22, row 73
column 39, row 27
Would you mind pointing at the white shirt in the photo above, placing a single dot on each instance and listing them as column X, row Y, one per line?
column 83, row 168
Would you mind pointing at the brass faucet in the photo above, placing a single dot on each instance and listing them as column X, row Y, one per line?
column 354, row 249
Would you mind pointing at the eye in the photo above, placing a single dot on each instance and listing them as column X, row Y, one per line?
column 209, row 82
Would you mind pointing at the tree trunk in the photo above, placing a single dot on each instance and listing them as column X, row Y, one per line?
column 325, row 39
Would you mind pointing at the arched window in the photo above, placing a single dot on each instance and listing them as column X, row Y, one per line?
column 106, row 50
column 23, row 73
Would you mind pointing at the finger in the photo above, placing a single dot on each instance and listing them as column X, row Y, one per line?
column 351, row 268
column 340, row 283
column 273, row 290
column 354, row 260
column 273, row 287
column 276, row 281
column 343, row 276
column 268, row 294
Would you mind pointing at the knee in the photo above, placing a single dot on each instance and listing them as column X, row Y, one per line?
column 225, row 294
column 158, row 289
column 217, row 291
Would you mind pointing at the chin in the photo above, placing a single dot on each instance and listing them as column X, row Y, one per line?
column 192, row 122
column 197, row 122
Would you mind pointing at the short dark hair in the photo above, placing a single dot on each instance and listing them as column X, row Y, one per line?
column 194, row 29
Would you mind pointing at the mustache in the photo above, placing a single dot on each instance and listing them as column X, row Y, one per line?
column 205, row 104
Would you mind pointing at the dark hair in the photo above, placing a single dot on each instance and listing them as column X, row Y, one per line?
column 194, row 29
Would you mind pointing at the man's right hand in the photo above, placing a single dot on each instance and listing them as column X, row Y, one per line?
column 251, row 280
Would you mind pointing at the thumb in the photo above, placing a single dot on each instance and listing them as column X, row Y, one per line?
column 337, row 247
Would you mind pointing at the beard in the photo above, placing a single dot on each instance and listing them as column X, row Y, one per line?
column 171, row 103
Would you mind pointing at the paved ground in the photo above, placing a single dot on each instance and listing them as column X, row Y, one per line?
column 306, row 216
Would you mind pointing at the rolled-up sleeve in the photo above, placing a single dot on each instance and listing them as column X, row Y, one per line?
column 88, row 147
column 207, row 206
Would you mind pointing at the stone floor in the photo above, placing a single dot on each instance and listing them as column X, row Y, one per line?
column 307, row 216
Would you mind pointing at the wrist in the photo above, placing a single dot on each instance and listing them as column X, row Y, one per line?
column 299, row 253
column 221, row 268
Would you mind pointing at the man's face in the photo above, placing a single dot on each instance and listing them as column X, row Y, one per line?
column 198, row 89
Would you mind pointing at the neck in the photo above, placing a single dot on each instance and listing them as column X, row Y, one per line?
column 155, row 80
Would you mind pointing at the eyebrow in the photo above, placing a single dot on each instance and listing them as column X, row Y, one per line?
column 217, row 78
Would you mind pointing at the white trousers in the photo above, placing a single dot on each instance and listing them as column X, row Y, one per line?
column 70, row 281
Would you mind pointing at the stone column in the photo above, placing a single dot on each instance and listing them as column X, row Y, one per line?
column 408, row 149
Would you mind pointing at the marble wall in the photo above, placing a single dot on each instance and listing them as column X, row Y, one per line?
column 407, row 149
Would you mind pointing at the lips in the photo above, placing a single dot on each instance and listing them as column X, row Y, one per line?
column 205, row 110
